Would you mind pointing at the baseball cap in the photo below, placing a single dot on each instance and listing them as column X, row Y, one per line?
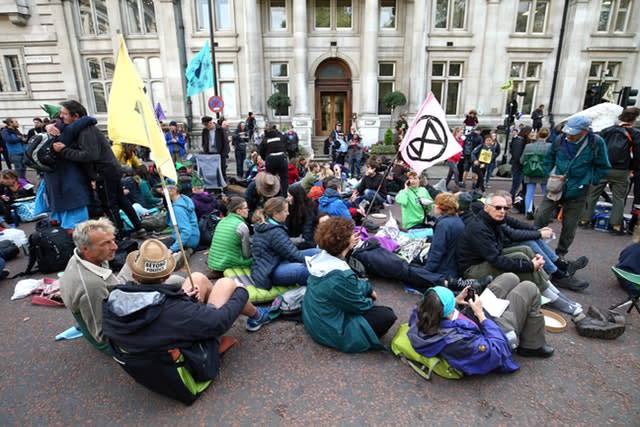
column 576, row 124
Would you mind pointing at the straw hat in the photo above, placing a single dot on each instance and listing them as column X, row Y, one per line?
column 268, row 185
column 152, row 261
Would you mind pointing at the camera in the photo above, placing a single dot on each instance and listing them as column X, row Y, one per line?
column 471, row 295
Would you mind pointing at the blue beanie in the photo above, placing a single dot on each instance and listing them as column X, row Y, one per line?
column 446, row 298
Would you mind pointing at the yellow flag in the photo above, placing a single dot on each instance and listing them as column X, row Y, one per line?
column 131, row 118
column 508, row 85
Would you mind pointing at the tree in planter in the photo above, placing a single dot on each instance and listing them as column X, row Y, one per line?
column 392, row 100
column 277, row 102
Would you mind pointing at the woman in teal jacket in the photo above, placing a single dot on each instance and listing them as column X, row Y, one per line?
column 338, row 308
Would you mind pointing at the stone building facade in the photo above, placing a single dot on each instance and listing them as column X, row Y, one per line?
column 335, row 59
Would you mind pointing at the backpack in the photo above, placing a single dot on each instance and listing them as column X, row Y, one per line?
column 39, row 153
column 8, row 250
column 50, row 246
column 125, row 247
column 289, row 304
column 619, row 143
column 533, row 165
column 207, row 225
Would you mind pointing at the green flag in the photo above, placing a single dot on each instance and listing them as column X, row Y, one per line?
column 507, row 86
column 51, row 110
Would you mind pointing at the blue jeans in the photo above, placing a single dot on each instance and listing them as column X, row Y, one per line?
column 489, row 172
column 453, row 172
column 290, row 273
column 18, row 164
column 516, row 181
column 540, row 247
column 369, row 194
column 531, row 192
column 241, row 155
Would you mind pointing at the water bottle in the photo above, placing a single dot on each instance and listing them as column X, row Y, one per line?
column 513, row 339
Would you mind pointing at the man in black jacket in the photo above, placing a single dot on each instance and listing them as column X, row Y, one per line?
column 481, row 252
column 163, row 334
column 92, row 151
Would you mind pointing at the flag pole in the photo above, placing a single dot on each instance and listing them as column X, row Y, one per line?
column 165, row 192
column 213, row 52
column 384, row 177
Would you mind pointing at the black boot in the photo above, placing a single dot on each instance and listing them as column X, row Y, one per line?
column 478, row 285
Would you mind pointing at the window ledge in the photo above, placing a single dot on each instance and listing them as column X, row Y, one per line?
column 530, row 36
column 451, row 33
column 17, row 11
column 607, row 35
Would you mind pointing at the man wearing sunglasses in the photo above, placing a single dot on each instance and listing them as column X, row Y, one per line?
column 482, row 252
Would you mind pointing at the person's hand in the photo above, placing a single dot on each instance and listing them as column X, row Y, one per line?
column 125, row 191
column 52, row 129
column 5, row 197
column 193, row 292
column 374, row 296
column 476, row 163
column 461, row 296
column 546, row 232
column 476, row 306
column 538, row 262
column 354, row 240
column 58, row 146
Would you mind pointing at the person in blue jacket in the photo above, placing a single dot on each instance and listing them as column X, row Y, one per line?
column 276, row 260
column 474, row 342
column 15, row 142
column 331, row 202
column 185, row 212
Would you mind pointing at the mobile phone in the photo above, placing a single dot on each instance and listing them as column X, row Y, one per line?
column 471, row 295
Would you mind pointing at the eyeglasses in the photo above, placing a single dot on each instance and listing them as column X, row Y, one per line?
column 500, row 208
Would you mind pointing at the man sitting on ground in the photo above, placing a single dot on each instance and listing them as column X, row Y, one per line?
column 87, row 278
column 167, row 337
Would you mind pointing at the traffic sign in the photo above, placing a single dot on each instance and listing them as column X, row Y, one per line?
column 216, row 104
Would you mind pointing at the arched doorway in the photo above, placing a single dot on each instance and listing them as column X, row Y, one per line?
column 332, row 96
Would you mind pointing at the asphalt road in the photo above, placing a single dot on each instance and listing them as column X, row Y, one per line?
column 279, row 376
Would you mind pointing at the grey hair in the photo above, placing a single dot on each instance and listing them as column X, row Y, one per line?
column 82, row 230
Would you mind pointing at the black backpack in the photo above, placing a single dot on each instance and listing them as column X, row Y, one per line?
column 39, row 153
column 125, row 247
column 207, row 225
column 50, row 246
column 619, row 142
column 8, row 250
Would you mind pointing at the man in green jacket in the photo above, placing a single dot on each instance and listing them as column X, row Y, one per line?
column 415, row 202
column 581, row 157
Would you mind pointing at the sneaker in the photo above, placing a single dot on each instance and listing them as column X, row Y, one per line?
column 596, row 328
column 255, row 324
column 584, row 224
column 530, row 216
column 569, row 282
column 576, row 265
column 565, row 307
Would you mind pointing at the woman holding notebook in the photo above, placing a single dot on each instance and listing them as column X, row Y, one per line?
column 472, row 340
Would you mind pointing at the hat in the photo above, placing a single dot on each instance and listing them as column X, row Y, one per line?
column 152, row 261
column 196, row 181
column 173, row 123
column 446, row 298
column 464, row 201
column 576, row 124
column 267, row 184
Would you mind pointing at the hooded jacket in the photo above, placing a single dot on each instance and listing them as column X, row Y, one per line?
column 187, row 222
column 334, row 305
column 271, row 246
column 471, row 348
column 144, row 322
column 331, row 203
column 443, row 251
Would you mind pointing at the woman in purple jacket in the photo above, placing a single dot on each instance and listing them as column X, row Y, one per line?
column 472, row 341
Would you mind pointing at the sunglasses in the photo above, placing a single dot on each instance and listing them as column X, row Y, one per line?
column 500, row 208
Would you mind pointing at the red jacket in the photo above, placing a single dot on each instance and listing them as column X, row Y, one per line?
column 294, row 176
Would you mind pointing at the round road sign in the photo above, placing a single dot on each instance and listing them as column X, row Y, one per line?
column 216, row 104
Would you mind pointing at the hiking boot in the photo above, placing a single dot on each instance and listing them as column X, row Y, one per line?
column 255, row 324
column 572, row 266
column 544, row 352
column 606, row 315
column 596, row 328
column 568, row 282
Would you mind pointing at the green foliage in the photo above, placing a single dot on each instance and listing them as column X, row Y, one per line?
column 279, row 102
column 382, row 149
column 388, row 137
column 394, row 99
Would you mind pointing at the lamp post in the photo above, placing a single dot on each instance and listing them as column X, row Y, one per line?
column 213, row 52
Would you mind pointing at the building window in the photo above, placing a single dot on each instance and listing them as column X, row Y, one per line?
column 387, row 14
column 526, row 78
column 100, row 73
column 280, row 83
column 94, row 20
column 532, row 16
column 150, row 70
column 446, row 81
column 614, row 15
column 450, row 14
column 140, row 16
column 386, row 81
column 227, row 81
column 221, row 18
column 332, row 14
column 278, row 14
column 12, row 75
column 604, row 76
